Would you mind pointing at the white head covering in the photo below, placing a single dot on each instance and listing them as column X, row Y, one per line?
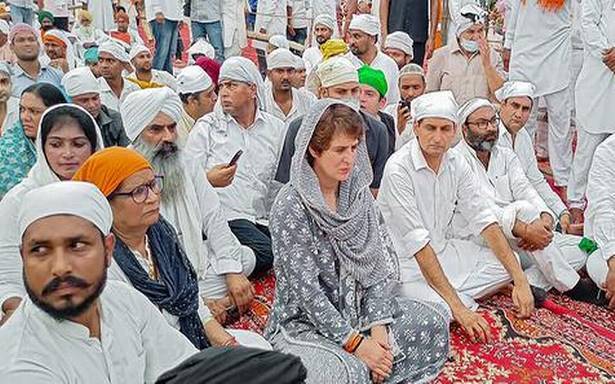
column 326, row 21
column 401, row 41
column 74, row 198
column 435, row 104
column 281, row 58
column 469, row 15
column 4, row 27
column 515, row 89
column 279, row 41
column 299, row 63
column 411, row 69
column 141, row 107
column 471, row 106
column 336, row 70
column 136, row 50
column 239, row 68
column 114, row 50
column 365, row 23
column 80, row 81
column 202, row 47
column 193, row 79
column 41, row 173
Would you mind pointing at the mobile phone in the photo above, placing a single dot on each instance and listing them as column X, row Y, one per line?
column 235, row 158
column 404, row 103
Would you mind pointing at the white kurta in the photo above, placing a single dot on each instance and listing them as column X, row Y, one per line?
column 391, row 72
column 216, row 138
column 136, row 344
column 102, row 14
column 311, row 57
column 418, row 206
column 271, row 15
column 302, row 101
column 109, row 98
column 595, row 88
column 540, row 46
column 233, row 22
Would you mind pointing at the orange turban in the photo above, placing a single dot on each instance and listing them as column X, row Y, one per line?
column 48, row 37
column 108, row 168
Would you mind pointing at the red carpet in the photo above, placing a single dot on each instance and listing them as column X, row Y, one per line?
column 565, row 342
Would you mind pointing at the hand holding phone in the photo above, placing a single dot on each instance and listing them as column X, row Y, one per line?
column 235, row 158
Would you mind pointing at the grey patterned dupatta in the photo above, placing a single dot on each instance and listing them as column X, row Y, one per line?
column 354, row 228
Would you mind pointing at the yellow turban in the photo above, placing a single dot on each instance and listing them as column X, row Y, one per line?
column 85, row 15
column 108, row 168
column 333, row 47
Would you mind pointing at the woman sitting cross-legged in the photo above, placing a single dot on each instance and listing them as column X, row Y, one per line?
column 148, row 254
column 336, row 303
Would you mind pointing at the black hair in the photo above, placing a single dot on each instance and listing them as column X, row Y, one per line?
column 68, row 114
column 185, row 97
column 49, row 93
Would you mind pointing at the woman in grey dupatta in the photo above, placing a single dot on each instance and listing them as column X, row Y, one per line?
column 336, row 303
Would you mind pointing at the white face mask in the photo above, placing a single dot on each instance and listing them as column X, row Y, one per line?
column 469, row 45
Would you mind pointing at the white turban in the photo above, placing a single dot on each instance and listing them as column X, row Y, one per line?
column 136, row 50
column 365, row 23
column 472, row 106
column 6, row 68
column 74, row 198
column 411, row 69
column 440, row 104
column 281, row 58
column 140, row 108
column 193, row 79
column 515, row 89
column 469, row 15
column 279, row 41
column 80, row 81
column 335, row 71
column 238, row 68
column 115, row 50
column 4, row 27
column 400, row 41
column 326, row 21
column 200, row 47
column 299, row 63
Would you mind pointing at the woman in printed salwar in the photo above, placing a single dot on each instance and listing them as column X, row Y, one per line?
column 337, row 305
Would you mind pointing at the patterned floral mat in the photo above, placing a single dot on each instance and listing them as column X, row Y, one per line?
column 565, row 342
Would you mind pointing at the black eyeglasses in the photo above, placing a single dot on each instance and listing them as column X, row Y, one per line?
column 483, row 124
column 140, row 193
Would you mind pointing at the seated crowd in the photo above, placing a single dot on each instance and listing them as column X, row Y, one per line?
column 136, row 207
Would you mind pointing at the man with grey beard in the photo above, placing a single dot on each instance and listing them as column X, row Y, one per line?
column 524, row 217
column 190, row 203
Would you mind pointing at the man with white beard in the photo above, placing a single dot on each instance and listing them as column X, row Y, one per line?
column 190, row 203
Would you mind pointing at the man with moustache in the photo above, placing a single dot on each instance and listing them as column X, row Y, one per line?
column 323, row 28
column 144, row 75
column 190, row 203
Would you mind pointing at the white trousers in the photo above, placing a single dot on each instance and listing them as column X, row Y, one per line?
column 560, row 135
column 482, row 274
column 213, row 286
column 583, row 156
column 597, row 268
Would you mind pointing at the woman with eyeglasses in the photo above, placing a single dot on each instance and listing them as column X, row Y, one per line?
column 147, row 254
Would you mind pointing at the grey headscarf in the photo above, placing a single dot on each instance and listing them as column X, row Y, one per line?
column 354, row 228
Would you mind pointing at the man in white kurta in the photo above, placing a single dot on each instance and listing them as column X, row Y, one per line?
column 540, row 47
column 418, row 203
column 102, row 13
column 322, row 30
column 600, row 218
column 113, row 87
column 521, row 212
column 364, row 30
column 271, row 17
column 282, row 99
column 234, row 24
column 144, row 75
column 122, row 340
column 595, row 92
column 242, row 124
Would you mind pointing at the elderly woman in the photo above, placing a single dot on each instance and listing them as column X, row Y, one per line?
column 17, row 152
column 148, row 254
column 336, row 304
column 67, row 136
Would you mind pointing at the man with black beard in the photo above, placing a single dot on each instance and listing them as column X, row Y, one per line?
column 190, row 203
column 524, row 217
column 75, row 327
column 323, row 27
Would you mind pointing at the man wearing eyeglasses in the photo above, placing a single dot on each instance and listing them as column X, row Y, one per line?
column 525, row 219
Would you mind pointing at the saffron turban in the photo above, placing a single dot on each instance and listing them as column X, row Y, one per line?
column 440, row 104
column 335, row 71
column 332, row 48
column 55, row 36
column 140, row 108
column 365, row 23
column 108, row 168
column 72, row 198
column 326, row 21
column 472, row 106
column 515, row 89
column 80, row 81
column 374, row 78
column 400, row 41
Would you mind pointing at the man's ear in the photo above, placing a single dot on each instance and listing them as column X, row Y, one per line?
column 109, row 242
column 382, row 103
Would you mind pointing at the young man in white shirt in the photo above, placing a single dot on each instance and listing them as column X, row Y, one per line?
column 144, row 75
column 322, row 29
column 424, row 184
column 113, row 60
column 243, row 135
